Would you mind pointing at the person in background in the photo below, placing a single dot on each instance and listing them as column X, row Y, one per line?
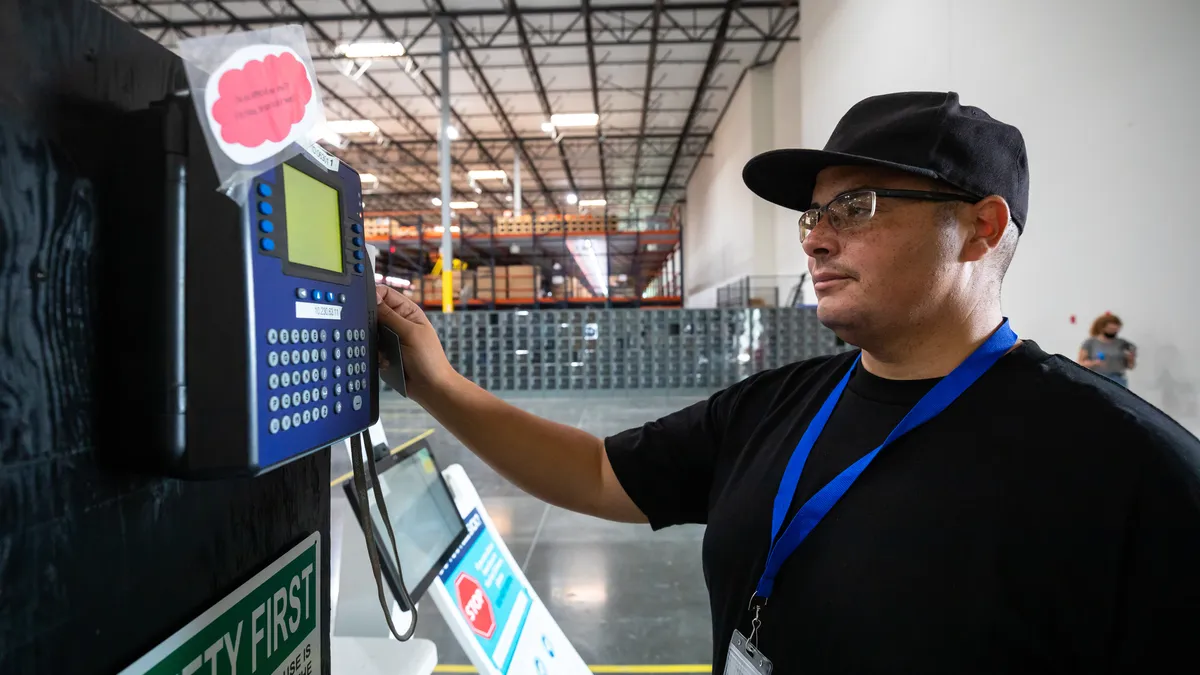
column 1107, row 354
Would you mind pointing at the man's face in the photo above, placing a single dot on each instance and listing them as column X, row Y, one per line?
column 895, row 271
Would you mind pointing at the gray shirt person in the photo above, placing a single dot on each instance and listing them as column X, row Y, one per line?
column 1112, row 354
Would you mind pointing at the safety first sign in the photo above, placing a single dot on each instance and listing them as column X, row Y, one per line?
column 268, row 625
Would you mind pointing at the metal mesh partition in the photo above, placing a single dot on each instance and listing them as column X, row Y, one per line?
column 624, row 349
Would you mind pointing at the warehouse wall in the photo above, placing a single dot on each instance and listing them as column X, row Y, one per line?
column 1105, row 93
column 728, row 231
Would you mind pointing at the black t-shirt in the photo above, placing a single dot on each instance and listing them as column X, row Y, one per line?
column 1047, row 521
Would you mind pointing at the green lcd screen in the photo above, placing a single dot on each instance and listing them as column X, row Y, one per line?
column 314, row 228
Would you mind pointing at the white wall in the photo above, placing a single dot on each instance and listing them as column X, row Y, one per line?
column 728, row 230
column 1107, row 94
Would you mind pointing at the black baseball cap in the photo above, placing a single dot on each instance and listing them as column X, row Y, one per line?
column 924, row 133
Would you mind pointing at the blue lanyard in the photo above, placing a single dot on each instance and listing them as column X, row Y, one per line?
column 942, row 395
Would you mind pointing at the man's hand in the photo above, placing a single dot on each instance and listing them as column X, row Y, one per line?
column 425, row 364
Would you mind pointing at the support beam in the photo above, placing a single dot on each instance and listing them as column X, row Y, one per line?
column 538, row 87
column 591, row 54
column 650, row 63
column 444, row 152
column 714, row 55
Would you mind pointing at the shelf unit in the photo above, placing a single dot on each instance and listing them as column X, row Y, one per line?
column 595, row 262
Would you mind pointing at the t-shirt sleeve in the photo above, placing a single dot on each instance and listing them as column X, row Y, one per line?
column 666, row 466
column 1160, row 593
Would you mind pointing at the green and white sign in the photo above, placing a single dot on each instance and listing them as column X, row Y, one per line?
column 269, row 625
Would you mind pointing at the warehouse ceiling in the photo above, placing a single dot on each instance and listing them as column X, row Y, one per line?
column 658, row 74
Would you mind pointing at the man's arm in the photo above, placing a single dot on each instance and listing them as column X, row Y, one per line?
column 559, row 464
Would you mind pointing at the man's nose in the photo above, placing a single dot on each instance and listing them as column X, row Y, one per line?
column 822, row 241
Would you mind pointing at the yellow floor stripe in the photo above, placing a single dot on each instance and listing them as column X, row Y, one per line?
column 399, row 448
column 617, row 669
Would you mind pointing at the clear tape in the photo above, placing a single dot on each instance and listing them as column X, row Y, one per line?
column 257, row 97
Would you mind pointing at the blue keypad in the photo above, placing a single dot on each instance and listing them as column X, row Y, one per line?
column 301, row 397
column 268, row 244
column 264, row 190
column 265, row 208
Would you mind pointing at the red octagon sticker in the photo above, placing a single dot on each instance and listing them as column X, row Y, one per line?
column 475, row 605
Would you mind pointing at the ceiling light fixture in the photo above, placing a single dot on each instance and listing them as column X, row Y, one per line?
column 574, row 120
column 464, row 205
column 352, row 126
column 593, row 202
column 370, row 50
column 369, row 181
column 487, row 174
column 437, row 201
column 452, row 132
column 572, row 198
column 548, row 127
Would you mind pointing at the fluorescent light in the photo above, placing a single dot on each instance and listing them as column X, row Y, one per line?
column 508, row 198
column 572, row 198
column 487, row 174
column 547, row 127
column 370, row 50
column 574, row 120
column 593, row 202
column 369, row 181
column 464, row 205
column 352, row 126
column 437, row 201
column 325, row 135
column 452, row 132
column 478, row 190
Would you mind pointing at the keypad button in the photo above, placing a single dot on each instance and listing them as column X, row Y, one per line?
column 355, row 228
column 324, row 393
column 285, row 422
column 337, row 353
column 273, row 404
column 358, row 255
column 358, row 267
column 306, row 397
column 324, row 335
column 272, row 336
column 316, row 394
column 324, row 373
column 324, row 411
column 305, row 356
column 285, row 401
column 306, row 377
column 324, row 354
column 315, row 355
column 296, row 419
column 337, row 371
column 337, row 389
column 265, row 226
column 337, row 334
column 356, row 241
column 274, row 425
column 296, row 356
column 296, row 378
column 268, row 244
column 358, row 402
column 302, row 293
column 272, row 358
column 285, row 358
column 304, row 335
column 296, row 399
column 264, row 190
column 342, row 298
column 318, row 295
column 316, row 375
column 265, row 208
column 306, row 416
column 337, row 407
column 285, row 379
column 365, row 383
column 273, row 381
column 285, row 337
column 295, row 336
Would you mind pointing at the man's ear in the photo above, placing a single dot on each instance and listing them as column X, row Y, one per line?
column 987, row 221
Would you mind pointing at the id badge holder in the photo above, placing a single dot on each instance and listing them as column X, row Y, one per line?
column 744, row 658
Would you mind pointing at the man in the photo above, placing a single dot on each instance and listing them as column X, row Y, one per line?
column 1023, row 515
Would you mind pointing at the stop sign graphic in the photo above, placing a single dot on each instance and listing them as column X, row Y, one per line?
column 475, row 605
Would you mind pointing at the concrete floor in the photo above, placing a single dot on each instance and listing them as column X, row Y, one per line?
column 621, row 593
